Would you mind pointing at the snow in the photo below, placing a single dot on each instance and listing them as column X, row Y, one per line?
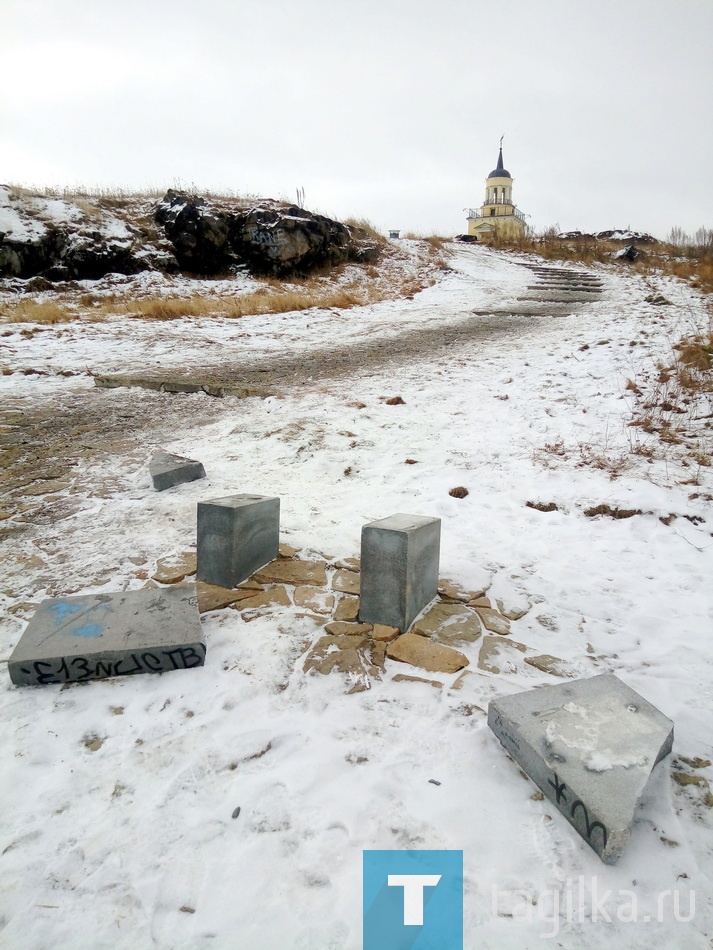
column 15, row 226
column 104, row 848
column 57, row 211
column 25, row 219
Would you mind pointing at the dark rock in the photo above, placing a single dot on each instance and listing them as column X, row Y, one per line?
column 628, row 253
column 198, row 232
column 291, row 240
column 60, row 253
column 268, row 238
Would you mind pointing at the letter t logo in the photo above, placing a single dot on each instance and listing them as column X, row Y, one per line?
column 397, row 886
column 413, row 885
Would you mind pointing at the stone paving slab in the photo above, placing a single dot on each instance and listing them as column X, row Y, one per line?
column 297, row 573
column 419, row 651
column 448, row 624
column 591, row 746
column 117, row 634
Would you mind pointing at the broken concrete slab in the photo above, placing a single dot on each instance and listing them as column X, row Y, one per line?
column 591, row 746
column 167, row 470
column 399, row 568
column 419, row 651
column 101, row 635
column 236, row 535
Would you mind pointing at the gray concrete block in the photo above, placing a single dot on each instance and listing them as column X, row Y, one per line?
column 237, row 535
column 168, row 470
column 117, row 634
column 399, row 568
column 591, row 746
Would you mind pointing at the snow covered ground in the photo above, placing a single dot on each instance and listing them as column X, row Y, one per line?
column 118, row 796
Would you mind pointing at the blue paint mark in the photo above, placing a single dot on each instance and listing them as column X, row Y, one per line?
column 62, row 611
column 90, row 630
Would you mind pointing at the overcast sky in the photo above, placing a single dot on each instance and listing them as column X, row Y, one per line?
column 385, row 109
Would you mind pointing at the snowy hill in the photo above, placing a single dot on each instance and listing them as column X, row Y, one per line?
column 229, row 806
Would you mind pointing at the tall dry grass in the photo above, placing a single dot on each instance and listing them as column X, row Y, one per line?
column 369, row 229
column 262, row 301
column 119, row 195
column 673, row 400
column 33, row 311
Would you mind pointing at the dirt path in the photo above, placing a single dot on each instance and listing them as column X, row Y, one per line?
column 52, row 436
column 556, row 293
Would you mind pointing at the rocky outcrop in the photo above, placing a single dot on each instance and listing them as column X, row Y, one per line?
column 267, row 239
column 60, row 239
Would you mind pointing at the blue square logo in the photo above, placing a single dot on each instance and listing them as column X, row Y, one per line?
column 413, row 900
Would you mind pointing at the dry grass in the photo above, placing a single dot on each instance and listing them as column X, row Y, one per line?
column 363, row 224
column 117, row 196
column 695, row 356
column 436, row 241
column 440, row 248
column 33, row 311
column 673, row 402
column 261, row 301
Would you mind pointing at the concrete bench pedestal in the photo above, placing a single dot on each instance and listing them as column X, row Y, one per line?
column 237, row 535
column 399, row 568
